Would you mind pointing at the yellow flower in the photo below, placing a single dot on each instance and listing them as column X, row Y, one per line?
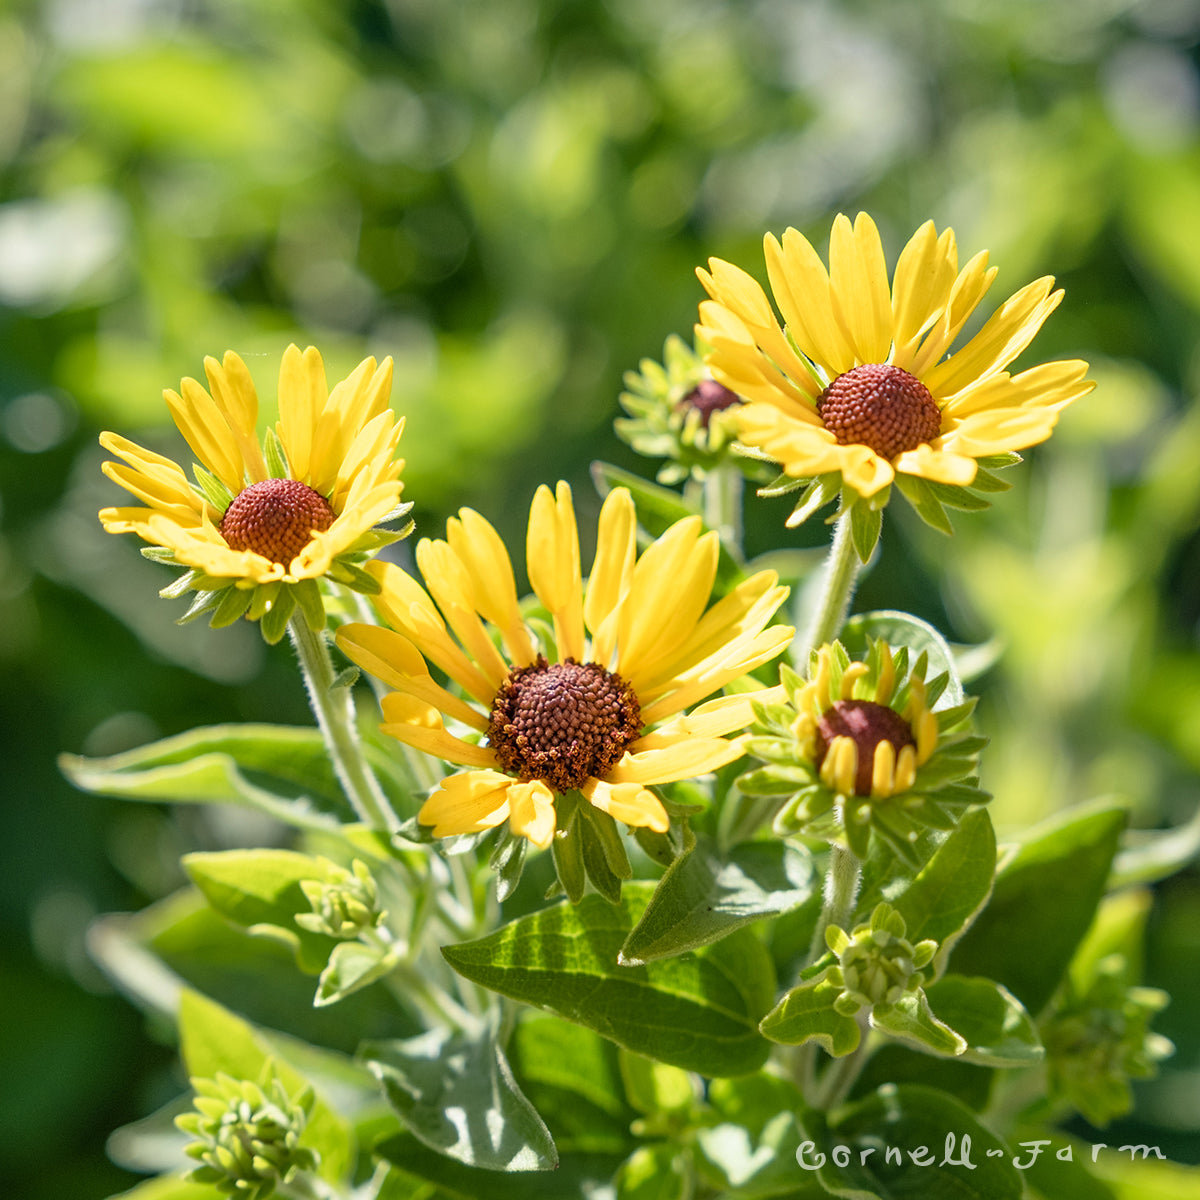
column 599, row 712
column 294, row 506
column 856, row 382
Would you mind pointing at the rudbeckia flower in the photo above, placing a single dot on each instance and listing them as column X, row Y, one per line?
column 592, row 707
column 861, row 746
column 855, row 386
column 267, row 517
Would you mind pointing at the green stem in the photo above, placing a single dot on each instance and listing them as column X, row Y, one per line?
column 334, row 710
column 723, row 506
column 839, row 1076
column 841, row 886
column 840, row 573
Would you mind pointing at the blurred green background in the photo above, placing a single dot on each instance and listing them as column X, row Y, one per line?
column 510, row 198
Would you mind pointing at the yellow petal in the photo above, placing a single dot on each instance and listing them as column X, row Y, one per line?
column 531, row 812
column 629, row 803
column 467, row 803
column 969, row 288
column 394, row 660
column 417, row 724
column 801, row 287
column 207, row 432
column 864, row 470
column 671, row 584
column 938, row 465
column 858, row 284
column 302, row 396
column 233, row 391
column 616, row 552
column 998, row 430
column 925, row 273
column 1050, row 385
column 1006, row 333
column 688, row 757
column 552, row 563
column 712, row 719
column 483, row 553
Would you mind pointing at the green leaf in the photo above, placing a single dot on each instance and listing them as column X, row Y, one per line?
column 704, row 896
column 906, row 1128
column 573, row 1077
column 997, row 1029
column 1045, row 898
column 653, row 1172
column 894, row 1062
column 950, row 889
column 1157, row 855
column 260, row 890
column 1052, row 1178
column 911, row 1020
column 171, row 1187
column 699, row 1012
column 806, row 1014
column 458, row 1096
column 414, row 1167
column 903, row 629
column 214, row 1039
column 352, row 965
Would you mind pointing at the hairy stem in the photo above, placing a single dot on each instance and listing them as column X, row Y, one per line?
column 723, row 506
column 839, row 575
column 841, row 886
column 334, row 709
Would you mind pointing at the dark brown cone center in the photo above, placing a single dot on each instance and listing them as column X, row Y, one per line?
column 880, row 406
column 708, row 397
column 563, row 723
column 275, row 518
column 868, row 724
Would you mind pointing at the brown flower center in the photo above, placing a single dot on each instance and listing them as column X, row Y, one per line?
column 868, row 724
column 708, row 397
column 882, row 407
column 564, row 723
column 275, row 518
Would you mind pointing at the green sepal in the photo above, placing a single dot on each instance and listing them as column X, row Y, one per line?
column 275, row 455
column 212, row 489
column 264, row 599
column 202, row 602
column 819, row 492
column 783, row 485
column 508, row 861
column 926, row 505
column 181, row 584
column 595, row 858
column 355, row 578
column 808, row 1014
column 232, row 606
column 161, row 554
column 274, row 622
column 567, row 849
column 308, row 599
column 866, row 524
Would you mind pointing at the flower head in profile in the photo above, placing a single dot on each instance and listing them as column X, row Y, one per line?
column 854, row 389
column 265, row 518
column 860, row 747
column 592, row 707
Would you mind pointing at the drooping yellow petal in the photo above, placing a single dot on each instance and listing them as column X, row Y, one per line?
column 938, row 465
column 629, row 803
column 394, row 660
column 467, row 803
column 417, row 724
column 688, row 757
column 531, row 812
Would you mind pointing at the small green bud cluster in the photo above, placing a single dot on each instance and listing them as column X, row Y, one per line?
column 247, row 1134
column 877, row 964
column 344, row 906
column 1097, row 1042
column 676, row 411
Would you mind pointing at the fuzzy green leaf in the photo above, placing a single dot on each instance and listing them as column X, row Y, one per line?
column 459, row 1097
column 1044, row 900
column 699, row 1012
column 704, row 896
column 806, row 1014
column 997, row 1029
column 352, row 965
column 911, row 1020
